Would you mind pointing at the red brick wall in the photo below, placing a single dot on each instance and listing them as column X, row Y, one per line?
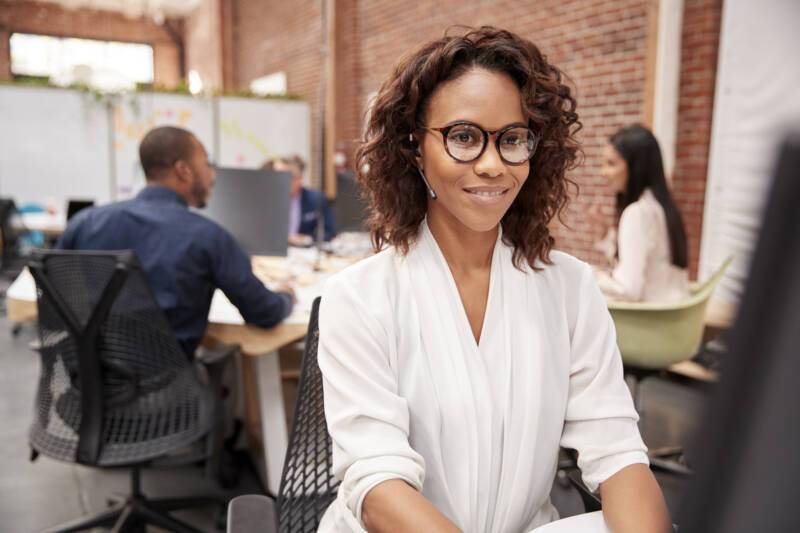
column 701, row 28
column 203, row 42
column 50, row 19
column 5, row 53
column 601, row 45
column 275, row 35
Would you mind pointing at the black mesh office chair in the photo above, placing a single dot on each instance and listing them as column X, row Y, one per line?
column 115, row 387
column 307, row 483
column 11, row 260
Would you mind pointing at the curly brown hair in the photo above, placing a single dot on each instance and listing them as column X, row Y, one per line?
column 386, row 158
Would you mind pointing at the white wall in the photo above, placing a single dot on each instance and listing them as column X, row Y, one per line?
column 757, row 100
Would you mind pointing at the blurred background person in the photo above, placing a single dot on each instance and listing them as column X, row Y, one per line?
column 307, row 204
column 652, row 254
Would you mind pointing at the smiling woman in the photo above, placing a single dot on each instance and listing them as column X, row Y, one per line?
column 429, row 79
column 456, row 361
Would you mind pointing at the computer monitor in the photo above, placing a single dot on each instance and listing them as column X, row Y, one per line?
column 73, row 206
column 748, row 450
column 349, row 210
column 253, row 205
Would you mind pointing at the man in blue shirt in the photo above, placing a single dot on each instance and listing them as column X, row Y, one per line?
column 306, row 206
column 185, row 255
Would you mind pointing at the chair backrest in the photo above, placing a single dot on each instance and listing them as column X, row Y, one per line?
column 8, row 239
column 115, row 387
column 307, row 484
column 652, row 335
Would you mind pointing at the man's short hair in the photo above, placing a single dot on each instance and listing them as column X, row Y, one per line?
column 294, row 160
column 161, row 147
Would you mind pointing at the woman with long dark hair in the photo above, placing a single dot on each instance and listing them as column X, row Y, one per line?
column 652, row 256
column 459, row 358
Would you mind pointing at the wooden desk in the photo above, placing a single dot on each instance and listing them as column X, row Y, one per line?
column 52, row 225
column 261, row 375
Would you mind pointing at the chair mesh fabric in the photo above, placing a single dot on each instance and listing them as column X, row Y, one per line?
column 307, row 485
column 154, row 399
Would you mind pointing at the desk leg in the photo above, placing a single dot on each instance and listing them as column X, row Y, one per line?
column 273, row 417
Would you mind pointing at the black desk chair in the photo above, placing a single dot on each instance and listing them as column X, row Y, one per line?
column 11, row 259
column 115, row 389
column 307, row 483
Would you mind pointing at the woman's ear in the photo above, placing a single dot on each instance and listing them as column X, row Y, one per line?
column 415, row 146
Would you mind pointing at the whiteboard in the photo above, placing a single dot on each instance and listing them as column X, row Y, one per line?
column 54, row 145
column 253, row 131
column 134, row 115
column 755, row 104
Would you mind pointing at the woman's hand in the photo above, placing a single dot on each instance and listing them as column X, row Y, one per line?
column 633, row 502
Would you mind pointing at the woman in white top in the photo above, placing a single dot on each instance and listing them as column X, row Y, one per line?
column 651, row 243
column 457, row 360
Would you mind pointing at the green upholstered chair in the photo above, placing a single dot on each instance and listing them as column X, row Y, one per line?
column 653, row 336
column 656, row 336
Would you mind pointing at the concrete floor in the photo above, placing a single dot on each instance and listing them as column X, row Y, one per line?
column 36, row 495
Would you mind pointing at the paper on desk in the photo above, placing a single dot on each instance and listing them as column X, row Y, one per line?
column 582, row 523
column 224, row 312
column 23, row 288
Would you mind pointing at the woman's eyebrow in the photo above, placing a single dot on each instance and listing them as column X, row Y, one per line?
column 464, row 121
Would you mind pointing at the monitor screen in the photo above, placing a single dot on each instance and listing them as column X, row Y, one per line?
column 253, row 205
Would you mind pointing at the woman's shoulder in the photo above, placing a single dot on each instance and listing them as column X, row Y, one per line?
column 646, row 207
column 564, row 267
column 365, row 278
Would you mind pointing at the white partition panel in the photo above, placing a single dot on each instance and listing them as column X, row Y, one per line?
column 57, row 144
column 252, row 131
column 54, row 145
column 134, row 115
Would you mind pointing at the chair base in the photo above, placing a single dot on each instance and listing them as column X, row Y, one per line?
column 134, row 513
column 667, row 459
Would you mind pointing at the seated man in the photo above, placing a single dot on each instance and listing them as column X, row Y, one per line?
column 185, row 255
column 306, row 204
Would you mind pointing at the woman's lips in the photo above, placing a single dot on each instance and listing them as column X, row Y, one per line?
column 486, row 195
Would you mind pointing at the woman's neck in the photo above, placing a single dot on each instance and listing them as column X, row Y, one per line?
column 465, row 250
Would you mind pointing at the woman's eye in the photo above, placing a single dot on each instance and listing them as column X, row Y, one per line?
column 463, row 136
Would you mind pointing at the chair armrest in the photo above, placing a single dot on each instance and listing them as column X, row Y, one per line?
column 216, row 355
column 251, row 512
column 591, row 502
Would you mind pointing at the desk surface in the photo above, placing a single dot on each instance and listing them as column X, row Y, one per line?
column 582, row 523
column 51, row 224
column 225, row 323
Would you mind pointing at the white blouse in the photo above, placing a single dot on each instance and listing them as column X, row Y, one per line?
column 410, row 395
column 644, row 271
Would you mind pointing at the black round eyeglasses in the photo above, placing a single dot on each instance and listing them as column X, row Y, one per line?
column 465, row 142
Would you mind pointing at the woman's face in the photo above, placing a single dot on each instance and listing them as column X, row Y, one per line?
column 477, row 194
column 614, row 169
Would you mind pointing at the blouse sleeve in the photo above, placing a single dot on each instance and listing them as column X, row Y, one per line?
column 367, row 419
column 600, row 422
column 634, row 242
